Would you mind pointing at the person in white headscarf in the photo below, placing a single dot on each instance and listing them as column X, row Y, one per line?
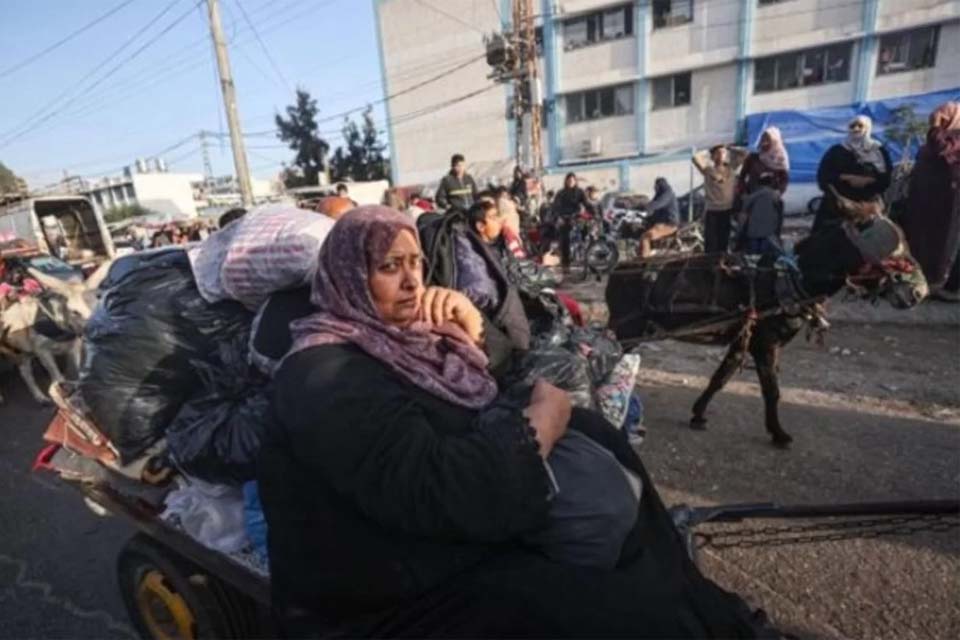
column 770, row 160
column 858, row 168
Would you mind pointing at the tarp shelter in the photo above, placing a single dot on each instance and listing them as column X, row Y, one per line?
column 808, row 134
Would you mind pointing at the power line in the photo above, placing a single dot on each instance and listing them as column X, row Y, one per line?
column 186, row 63
column 64, row 40
column 30, row 127
column 427, row 5
column 263, row 46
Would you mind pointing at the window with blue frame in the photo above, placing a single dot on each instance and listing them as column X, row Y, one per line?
column 596, row 27
column 908, row 50
column 594, row 104
column 796, row 69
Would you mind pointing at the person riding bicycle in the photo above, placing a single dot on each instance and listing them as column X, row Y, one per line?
column 569, row 202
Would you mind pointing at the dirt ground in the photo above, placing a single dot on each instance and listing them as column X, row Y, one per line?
column 875, row 414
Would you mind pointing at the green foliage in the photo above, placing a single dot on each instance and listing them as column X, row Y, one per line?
column 9, row 182
column 906, row 129
column 362, row 156
column 300, row 131
column 124, row 211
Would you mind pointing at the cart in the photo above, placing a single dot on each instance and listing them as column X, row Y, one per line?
column 174, row 587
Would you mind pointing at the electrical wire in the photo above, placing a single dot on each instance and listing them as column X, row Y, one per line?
column 62, row 41
column 8, row 140
column 450, row 16
column 263, row 46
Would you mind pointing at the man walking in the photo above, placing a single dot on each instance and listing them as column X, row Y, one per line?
column 719, row 169
column 457, row 189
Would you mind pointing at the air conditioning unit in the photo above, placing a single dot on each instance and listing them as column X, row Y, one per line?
column 591, row 147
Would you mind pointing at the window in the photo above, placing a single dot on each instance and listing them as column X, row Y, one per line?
column 908, row 50
column 129, row 189
column 671, row 91
column 670, row 13
column 802, row 68
column 599, row 26
column 599, row 103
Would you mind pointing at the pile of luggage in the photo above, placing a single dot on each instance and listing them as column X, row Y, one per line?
column 173, row 395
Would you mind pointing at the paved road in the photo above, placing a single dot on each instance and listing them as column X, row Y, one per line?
column 847, row 449
column 57, row 559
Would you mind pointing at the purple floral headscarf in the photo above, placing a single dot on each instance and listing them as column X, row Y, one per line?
column 440, row 360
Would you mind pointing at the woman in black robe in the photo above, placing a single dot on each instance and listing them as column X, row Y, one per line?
column 859, row 168
column 398, row 493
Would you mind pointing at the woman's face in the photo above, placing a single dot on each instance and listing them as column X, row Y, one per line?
column 396, row 283
column 765, row 141
column 857, row 128
column 570, row 182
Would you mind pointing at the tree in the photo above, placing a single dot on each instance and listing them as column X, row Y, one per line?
column 10, row 182
column 362, row 156
column 906, row 130
column 299, row 130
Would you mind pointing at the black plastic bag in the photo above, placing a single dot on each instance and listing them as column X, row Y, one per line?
column 216, row 435
column 560, row 367
column 143, row 345
column 602, row 352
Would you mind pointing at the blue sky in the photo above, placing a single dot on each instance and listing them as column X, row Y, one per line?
column 169, row 91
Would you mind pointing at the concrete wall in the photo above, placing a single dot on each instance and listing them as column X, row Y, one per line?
column 712, row 38
column 168, row 193
column 944, row 75
column 565, row 8
column 419, row 43
column 824, row 95
column 800, row 24
column 893, row 15
column 618, row 135
column 708, row 119
column 598, row 65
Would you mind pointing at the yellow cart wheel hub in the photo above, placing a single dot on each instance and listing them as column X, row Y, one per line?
column 165, row 612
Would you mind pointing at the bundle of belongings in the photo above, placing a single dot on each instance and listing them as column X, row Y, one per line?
column 168, row 407
column 173, row 395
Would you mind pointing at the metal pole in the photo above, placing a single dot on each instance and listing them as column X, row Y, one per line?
column 693, row 150
column 230, row 105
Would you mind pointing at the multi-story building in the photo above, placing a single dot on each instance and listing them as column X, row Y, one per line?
column 630, row 86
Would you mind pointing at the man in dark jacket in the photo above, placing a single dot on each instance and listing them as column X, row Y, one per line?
column 664, row 216
column 566, row 206
column 457, row 189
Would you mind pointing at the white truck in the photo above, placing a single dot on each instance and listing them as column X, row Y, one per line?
column 65, row 226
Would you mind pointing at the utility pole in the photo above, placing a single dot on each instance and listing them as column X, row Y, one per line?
column 513, row 57
column 530, row 73
column 230, row 104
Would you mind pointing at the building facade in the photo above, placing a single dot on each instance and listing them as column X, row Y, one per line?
column 630, row 86
column 145, row 183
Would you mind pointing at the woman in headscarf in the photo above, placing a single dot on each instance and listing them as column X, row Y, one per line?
column 859, row 169
column 771, row 159
column 664, row 216
column 931, row 220
column 399, row 493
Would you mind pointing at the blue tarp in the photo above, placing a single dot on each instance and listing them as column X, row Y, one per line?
column 808, row 134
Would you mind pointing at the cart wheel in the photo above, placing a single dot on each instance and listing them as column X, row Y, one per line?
column 168, row 597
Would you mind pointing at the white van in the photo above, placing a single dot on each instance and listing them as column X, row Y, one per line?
column 65, row 226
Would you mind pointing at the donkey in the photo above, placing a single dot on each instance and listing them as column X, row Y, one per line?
column 757, row 308
column 46, row 326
